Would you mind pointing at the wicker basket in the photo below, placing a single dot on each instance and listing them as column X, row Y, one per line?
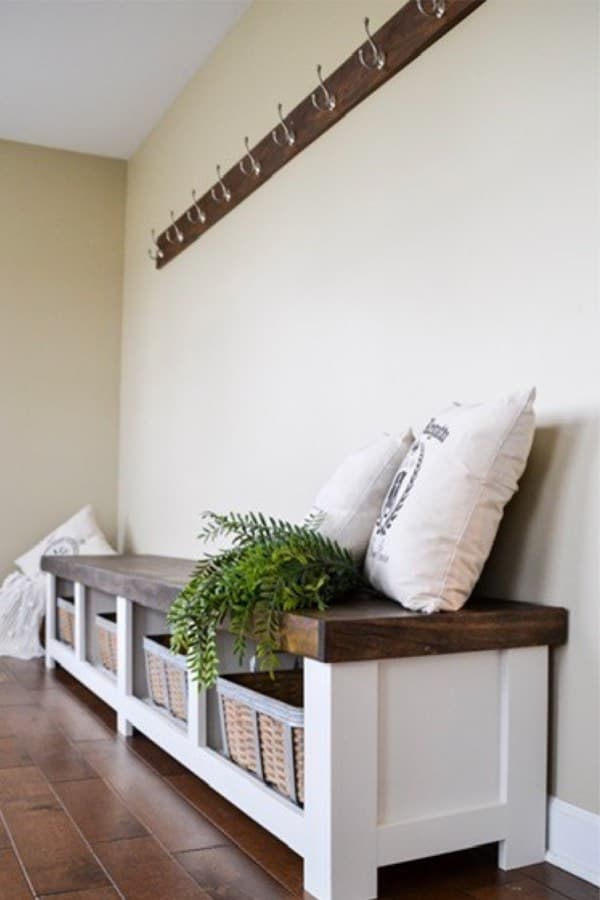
column 167, row 677
column 66, row 621
column 106, row 631
column 262, row 723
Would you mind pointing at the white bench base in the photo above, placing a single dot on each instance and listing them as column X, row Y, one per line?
column 404, row 758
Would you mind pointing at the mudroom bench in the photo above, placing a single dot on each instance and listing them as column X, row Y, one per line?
column 422, row 734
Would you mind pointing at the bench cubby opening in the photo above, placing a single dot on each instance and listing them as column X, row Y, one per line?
column 98, row 650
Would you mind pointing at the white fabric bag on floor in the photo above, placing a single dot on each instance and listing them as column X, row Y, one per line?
column 22, row 604
column 21, row 610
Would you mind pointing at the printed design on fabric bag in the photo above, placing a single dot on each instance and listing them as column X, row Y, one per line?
column 63, row 546
column 433, row 429
column 397, row 495
column 314, row 518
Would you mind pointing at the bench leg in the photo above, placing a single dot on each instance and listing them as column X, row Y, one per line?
column 340, row 722
column 80, row 635
column 124, row 659
column 50, row 617
column 524, row 730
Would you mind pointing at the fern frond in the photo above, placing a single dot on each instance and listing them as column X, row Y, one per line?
column 273, row 567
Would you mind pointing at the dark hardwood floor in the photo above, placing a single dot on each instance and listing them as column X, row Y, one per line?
column 85, row 815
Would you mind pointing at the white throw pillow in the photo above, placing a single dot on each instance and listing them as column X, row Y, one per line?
column 440, row 517
column 348, row 504
column 66, row 540
column 97, row 546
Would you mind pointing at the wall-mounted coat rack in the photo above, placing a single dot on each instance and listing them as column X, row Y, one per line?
column 414, row 28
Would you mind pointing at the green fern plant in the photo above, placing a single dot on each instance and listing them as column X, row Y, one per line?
column 272, row 567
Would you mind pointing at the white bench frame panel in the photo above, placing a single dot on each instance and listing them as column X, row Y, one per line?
column 339, row 833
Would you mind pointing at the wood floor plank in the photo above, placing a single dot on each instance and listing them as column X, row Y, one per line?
column 520, row 889
column 97, row 811
column 151, row 753
column 438, row 891
column 107, row 893
column 56, row 756
column 30, row 673
column 225, row 873
column 143, row 871
column 460, row 872
column 14, row 694
column 4, row 838
column 4, row 670
column 16, row 720
column 271, row 854
column 51, row 849
column 161, row 809
column 71, row 715
column 74, row 688
column 13, row 885
column 563, row 882
column 12, row 753
column 47, row 746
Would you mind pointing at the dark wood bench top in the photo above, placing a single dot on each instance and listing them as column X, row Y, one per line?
column 364, row 625
column 152, row 581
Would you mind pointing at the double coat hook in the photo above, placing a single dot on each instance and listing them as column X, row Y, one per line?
column 289, row 136
column 199, row 216
column 178, row 232
column 249, row 165
column 376, row 58
column 157, row 253
column 328, row 97
column 437, row 10
column 225, row 195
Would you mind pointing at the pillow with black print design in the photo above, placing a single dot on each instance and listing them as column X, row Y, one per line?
column 67, row 540
column 438, row 522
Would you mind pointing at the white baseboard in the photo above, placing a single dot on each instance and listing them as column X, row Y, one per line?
column 574, row 840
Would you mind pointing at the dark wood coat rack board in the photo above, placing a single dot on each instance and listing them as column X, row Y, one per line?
column 414, row 28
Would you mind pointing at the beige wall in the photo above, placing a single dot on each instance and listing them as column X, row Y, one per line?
column 61, row 240
column 436, row 244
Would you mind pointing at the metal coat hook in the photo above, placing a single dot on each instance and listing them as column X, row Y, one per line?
column 254, row 165
column 157, row 253
column 178, row 232
column 200, row 217
column 225, row 192
column 438, row 8
column 328, row 97
column 289, row 137
column 377, row 60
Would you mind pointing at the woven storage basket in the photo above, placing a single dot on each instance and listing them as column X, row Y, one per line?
column 66, row 621
column 106, row 631
column 167, row 677
column 262, row 722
